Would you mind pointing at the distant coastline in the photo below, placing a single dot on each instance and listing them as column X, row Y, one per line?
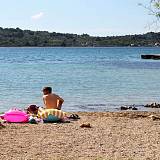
column 10, row 37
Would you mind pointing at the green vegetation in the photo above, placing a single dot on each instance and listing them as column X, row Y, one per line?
column 155, row 8
column 10, row 37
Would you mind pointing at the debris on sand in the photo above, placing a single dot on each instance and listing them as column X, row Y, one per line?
column 153, row 117
column 85, row 125
column 1, row 125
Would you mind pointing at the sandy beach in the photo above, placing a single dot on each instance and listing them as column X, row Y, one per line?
column 113, row 136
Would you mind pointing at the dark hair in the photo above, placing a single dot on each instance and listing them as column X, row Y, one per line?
column 32, row 109
column 48, row 89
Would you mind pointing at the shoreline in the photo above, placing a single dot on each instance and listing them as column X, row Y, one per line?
column 120, row 135
column 139, row 108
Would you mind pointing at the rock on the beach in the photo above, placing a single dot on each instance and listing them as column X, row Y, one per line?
column 85, row 125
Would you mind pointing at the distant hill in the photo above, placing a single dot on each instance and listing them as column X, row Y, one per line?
column 10, row 37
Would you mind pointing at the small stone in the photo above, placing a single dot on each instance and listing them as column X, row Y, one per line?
column 85, row 125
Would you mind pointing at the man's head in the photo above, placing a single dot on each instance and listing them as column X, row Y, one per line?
column 47, row 90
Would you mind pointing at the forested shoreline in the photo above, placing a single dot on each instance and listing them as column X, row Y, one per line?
column 16, row 37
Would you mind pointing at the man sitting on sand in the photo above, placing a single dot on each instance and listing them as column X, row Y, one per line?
column 51, row 100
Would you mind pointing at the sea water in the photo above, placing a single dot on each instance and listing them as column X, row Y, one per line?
column 88, row 79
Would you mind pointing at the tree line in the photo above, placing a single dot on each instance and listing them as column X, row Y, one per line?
column 16, row 37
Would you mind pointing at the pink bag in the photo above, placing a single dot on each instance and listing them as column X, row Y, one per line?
column 16, row 116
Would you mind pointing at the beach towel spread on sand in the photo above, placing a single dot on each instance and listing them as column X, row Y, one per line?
column 44, row 113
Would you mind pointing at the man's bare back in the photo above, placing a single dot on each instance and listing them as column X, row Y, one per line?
column 51, row 101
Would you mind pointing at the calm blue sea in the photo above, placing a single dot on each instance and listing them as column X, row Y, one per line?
column 89, row 79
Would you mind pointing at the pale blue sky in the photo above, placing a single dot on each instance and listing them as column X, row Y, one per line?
column 95, row 17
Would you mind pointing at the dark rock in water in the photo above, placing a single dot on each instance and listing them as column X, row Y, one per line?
column 124, row 108
column 128, row 108
column 152, row 105
column 134, row 108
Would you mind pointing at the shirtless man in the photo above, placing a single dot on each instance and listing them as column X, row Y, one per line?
column 51, row 100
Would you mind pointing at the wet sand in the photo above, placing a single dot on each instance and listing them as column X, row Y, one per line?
column 113, row 136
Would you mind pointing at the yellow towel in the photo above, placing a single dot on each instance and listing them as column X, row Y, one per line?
column 43, row 113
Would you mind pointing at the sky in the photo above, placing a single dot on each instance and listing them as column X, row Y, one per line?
column 94, row 17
